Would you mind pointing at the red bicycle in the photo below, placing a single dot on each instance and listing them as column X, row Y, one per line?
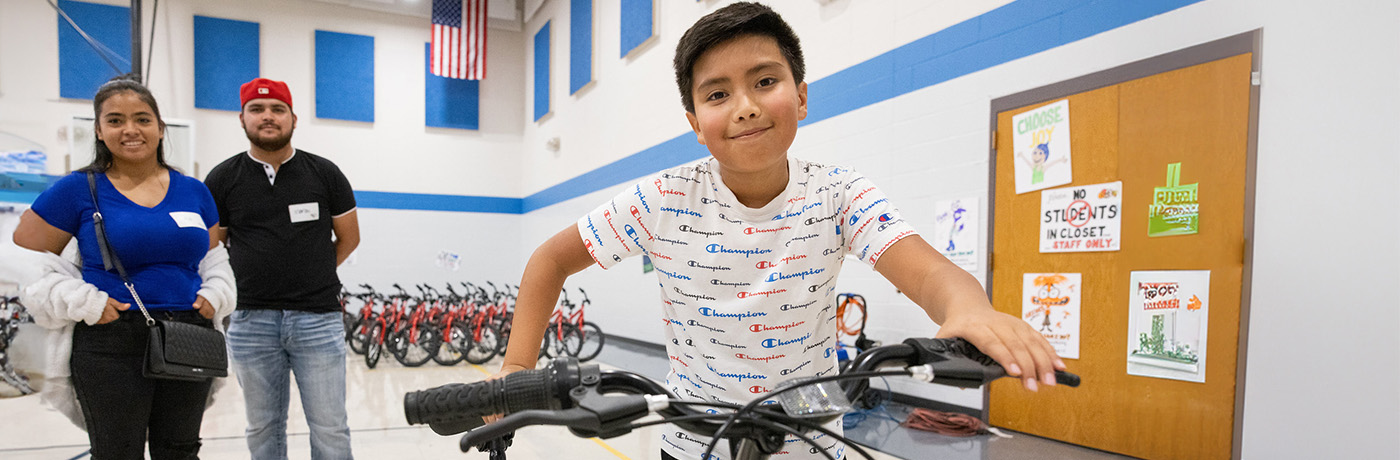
column 397, row 329
column 357, row 331
column 570, row 335
column 448, row 315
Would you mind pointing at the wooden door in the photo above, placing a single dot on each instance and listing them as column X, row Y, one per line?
column 1197, row 116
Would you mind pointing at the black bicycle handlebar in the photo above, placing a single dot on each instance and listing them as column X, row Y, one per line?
column 457, row 407
column 583, row 398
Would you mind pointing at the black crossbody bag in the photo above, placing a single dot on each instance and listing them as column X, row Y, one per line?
column 176, row 350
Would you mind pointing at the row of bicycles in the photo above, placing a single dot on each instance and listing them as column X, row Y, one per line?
column 450, row 326
column 12, row 314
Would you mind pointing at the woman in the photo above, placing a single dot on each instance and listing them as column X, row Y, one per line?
column 157, row 222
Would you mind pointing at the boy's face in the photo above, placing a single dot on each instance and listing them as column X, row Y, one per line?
column 747, row 104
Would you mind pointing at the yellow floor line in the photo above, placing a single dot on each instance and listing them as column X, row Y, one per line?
column 610, row 449
column 483, row 370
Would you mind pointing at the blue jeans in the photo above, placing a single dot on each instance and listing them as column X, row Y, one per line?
column 268, row 345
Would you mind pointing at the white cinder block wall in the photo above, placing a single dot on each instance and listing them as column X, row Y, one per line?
column 388, row 155
column 1319, row 318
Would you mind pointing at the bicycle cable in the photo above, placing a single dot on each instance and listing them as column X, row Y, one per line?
column 755, row 403
column 766, row 413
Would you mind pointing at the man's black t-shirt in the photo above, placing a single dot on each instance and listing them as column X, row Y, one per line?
column 279, row 229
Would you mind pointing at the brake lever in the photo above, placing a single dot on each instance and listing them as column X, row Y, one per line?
column 512, row 422
column 593, row 415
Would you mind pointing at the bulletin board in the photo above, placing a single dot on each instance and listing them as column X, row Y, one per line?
column 1194, row 107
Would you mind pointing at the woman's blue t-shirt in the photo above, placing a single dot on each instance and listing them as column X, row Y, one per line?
column 160, row 247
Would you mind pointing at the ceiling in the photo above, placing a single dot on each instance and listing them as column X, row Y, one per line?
column 503, row 14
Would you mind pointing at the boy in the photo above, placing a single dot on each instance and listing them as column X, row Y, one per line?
column 747, row 245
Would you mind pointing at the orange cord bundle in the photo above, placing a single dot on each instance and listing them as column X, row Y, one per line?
column 948, row 423
column 850, row 326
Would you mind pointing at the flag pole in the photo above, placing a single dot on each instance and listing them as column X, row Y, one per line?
column 136, row 39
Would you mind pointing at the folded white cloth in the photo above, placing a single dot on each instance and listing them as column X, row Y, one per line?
column 59, row 299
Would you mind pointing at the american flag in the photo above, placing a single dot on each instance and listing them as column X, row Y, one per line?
column 459, row 39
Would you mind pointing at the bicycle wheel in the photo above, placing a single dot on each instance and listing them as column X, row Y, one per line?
column 419, row 348
column 374, row 344
column 592, row 342
column 572, row 342
column 483, row 349
column 503, row 327
column 453, row 343
column 553, row 346
column 357, row 336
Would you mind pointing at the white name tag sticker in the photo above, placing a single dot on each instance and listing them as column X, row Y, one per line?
column 187, row 219
column 304, row 212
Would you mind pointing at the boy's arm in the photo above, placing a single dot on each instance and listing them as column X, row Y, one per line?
column 954, row 300
column 560, row 256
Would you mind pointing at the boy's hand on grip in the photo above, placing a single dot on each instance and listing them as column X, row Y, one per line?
column 506, row 369
column 1022, row 351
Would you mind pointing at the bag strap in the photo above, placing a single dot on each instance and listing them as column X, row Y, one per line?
column 109, row 254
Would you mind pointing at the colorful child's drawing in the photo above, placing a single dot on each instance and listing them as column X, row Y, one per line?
column 1041, row 142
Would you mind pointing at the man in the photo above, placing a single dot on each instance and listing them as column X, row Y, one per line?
column 277, row 207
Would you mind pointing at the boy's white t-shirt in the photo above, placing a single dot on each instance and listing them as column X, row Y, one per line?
column 748, row 295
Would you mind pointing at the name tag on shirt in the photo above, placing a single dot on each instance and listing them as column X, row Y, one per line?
column 187, row 219
column 304, row 212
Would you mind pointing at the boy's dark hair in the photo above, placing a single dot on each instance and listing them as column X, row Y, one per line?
column 728, row 23
column 102, row 156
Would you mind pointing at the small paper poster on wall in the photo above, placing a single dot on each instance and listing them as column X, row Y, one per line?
column 1040, row 140
column 1050, row 304
column 1167, row 316
column 955, row 231
column 449, row 260
column 1175, row 209
column 1081, row 219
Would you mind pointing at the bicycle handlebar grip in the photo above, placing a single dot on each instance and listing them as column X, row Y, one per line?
column 459, row 407
column 1066, row 379
column 957, row 362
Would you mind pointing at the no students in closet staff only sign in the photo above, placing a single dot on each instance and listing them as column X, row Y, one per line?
column 1081, row 219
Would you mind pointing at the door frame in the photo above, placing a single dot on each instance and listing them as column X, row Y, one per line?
column 1247, row 42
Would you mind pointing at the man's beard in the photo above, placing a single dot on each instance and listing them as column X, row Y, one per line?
column 269, row 144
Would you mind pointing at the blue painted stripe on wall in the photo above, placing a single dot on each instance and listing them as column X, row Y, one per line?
column 1016, row 30
column 80, row 69
column 226, row 55
column 679, row 150
column 427, row 202
column 1011, row 32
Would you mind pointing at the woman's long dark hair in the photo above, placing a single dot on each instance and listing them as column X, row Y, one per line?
column 102, row 159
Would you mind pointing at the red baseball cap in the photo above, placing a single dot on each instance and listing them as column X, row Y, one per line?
column 262, row 88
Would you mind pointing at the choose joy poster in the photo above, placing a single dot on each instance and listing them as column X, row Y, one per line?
column 1081, row 219
column 1040, row 139
column 955, row 231
column 1167, row 318
column 1050, row 304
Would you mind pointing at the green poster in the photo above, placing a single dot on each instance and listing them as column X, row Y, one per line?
column 1174, row 209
